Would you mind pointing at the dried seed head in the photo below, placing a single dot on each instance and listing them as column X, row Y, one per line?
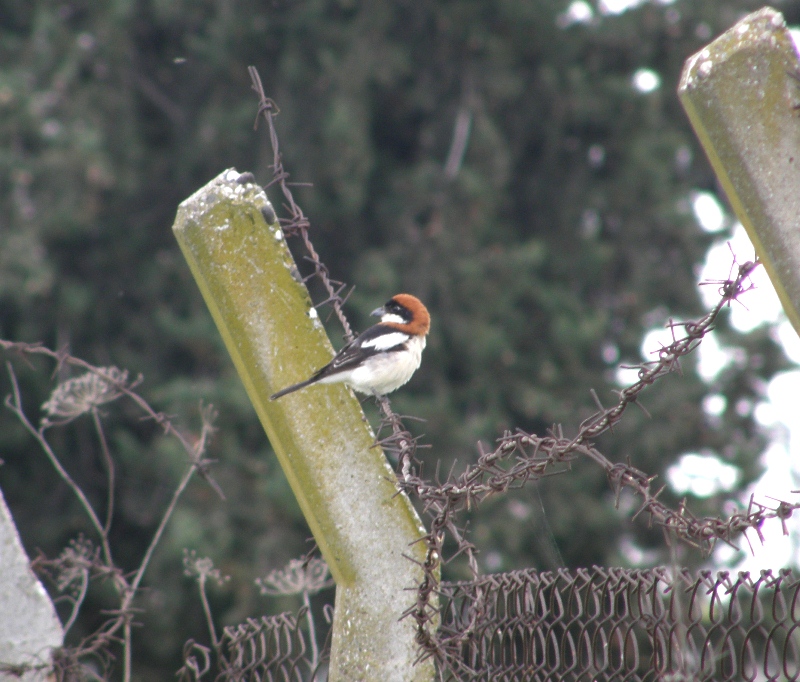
column 202, row 568
column 77, row 396
column 296, row 577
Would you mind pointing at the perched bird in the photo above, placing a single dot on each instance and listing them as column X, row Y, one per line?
column 384, row 357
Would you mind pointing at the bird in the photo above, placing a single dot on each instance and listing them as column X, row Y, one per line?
column 382, row 358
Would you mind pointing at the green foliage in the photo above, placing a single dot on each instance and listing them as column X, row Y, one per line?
column 563, row 233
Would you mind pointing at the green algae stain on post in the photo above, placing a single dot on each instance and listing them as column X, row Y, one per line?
column 236, row 252
column 741, row 99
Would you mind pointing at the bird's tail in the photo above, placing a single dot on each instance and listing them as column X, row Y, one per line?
column 293, row 388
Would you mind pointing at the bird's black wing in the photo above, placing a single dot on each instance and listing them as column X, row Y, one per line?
column 373, row 341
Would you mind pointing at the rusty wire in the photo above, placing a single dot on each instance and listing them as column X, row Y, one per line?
column 520, row 457
column 258, row 650
column 621, row 624
column 599, row 624
column 297, row 223
column 269, row 648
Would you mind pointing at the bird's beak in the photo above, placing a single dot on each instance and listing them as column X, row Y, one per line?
column 378, row 312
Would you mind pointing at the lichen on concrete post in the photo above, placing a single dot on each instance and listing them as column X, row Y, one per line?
column 236, row 251
column 742, row 94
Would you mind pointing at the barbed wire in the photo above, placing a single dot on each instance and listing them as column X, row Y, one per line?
column 519, row 456
column 297, row 223
column 400, row 443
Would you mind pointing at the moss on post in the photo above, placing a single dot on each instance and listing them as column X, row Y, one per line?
column 343, row 485
column 742, row 98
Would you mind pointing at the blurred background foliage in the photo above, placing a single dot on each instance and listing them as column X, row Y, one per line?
column 561, row 235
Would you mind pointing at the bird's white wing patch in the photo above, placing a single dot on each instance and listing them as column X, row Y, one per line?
column 386, row 341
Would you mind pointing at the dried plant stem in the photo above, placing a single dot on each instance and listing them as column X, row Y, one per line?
column 312, row 631
column 15, row 406
column 109, row 463
column 201, row 583
column 187, row 476
column 78, row 601
column 127, row 650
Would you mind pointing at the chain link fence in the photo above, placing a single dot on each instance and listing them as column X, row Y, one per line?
column 266, row 649
column 583, row 625
column 620, row 624
column 270, row 648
